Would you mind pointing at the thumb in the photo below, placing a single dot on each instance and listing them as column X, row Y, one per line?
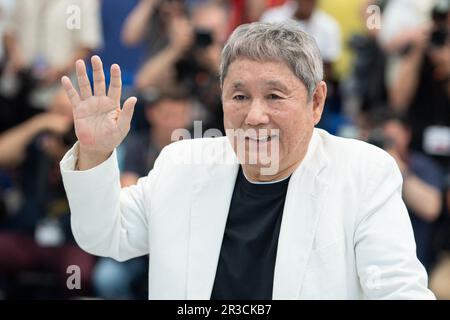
column 127, row 113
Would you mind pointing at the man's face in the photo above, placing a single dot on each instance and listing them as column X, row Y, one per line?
column 267, row 95
column 213, row 19
column 398, row 134
column 168, row 115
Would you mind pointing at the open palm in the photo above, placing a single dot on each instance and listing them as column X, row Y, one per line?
column 100, row 123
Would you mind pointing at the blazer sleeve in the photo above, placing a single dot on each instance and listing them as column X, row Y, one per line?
column 107, row 220
column 385, row 248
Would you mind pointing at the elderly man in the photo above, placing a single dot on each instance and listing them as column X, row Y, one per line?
column 277, row 210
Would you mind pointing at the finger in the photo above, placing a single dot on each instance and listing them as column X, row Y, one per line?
column 70, row 91
column 115, row 85
column 83, row 81
column 126, row 114
column 99, row 76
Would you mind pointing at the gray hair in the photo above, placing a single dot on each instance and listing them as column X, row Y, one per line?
column 276, row 42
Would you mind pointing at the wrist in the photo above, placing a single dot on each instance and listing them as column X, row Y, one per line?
column 88, row 159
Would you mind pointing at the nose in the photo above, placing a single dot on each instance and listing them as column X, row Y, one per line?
column 256, row 115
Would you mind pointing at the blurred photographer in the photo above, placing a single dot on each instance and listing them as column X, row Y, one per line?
column 423, row 181
column 43, row 39
column 190, row 61
column 36, row 234
column 149, row 22
column 164, row 114
column 421, row 86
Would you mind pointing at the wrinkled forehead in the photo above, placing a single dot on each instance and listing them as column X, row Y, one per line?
column 268, row 71
column 262, row 76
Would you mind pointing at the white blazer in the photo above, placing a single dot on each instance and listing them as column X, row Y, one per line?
column 345, row 232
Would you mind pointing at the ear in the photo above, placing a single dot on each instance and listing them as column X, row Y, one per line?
column 318, row 100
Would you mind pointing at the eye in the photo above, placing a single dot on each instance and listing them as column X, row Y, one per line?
column 274, row 96
column 239, row 97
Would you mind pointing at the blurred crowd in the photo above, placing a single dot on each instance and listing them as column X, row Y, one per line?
column 387, row 66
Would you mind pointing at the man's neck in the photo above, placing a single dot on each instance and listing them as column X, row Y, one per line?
column 255, row 173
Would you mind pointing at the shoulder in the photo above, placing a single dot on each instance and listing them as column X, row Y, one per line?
column 358, row 162
column 352, row 151
column 361, row 173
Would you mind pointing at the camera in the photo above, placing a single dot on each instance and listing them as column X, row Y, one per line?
column 440, row 15
column 189, row 67
column 439, row 37
column 203, row 38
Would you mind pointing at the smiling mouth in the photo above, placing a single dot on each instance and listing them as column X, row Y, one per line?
column 261, row 139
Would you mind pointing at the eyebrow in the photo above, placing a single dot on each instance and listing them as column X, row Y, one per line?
column 276, row 84
column 238, row 85
column 270, row 83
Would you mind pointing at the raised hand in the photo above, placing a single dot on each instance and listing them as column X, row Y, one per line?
column 100, row 123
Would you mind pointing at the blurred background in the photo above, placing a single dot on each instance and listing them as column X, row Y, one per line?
column 388, row 72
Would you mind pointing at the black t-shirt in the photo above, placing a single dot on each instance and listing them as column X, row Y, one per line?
column 247, row 258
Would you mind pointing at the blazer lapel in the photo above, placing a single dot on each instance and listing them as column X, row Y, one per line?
column 300, row 219
column 209, row 212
